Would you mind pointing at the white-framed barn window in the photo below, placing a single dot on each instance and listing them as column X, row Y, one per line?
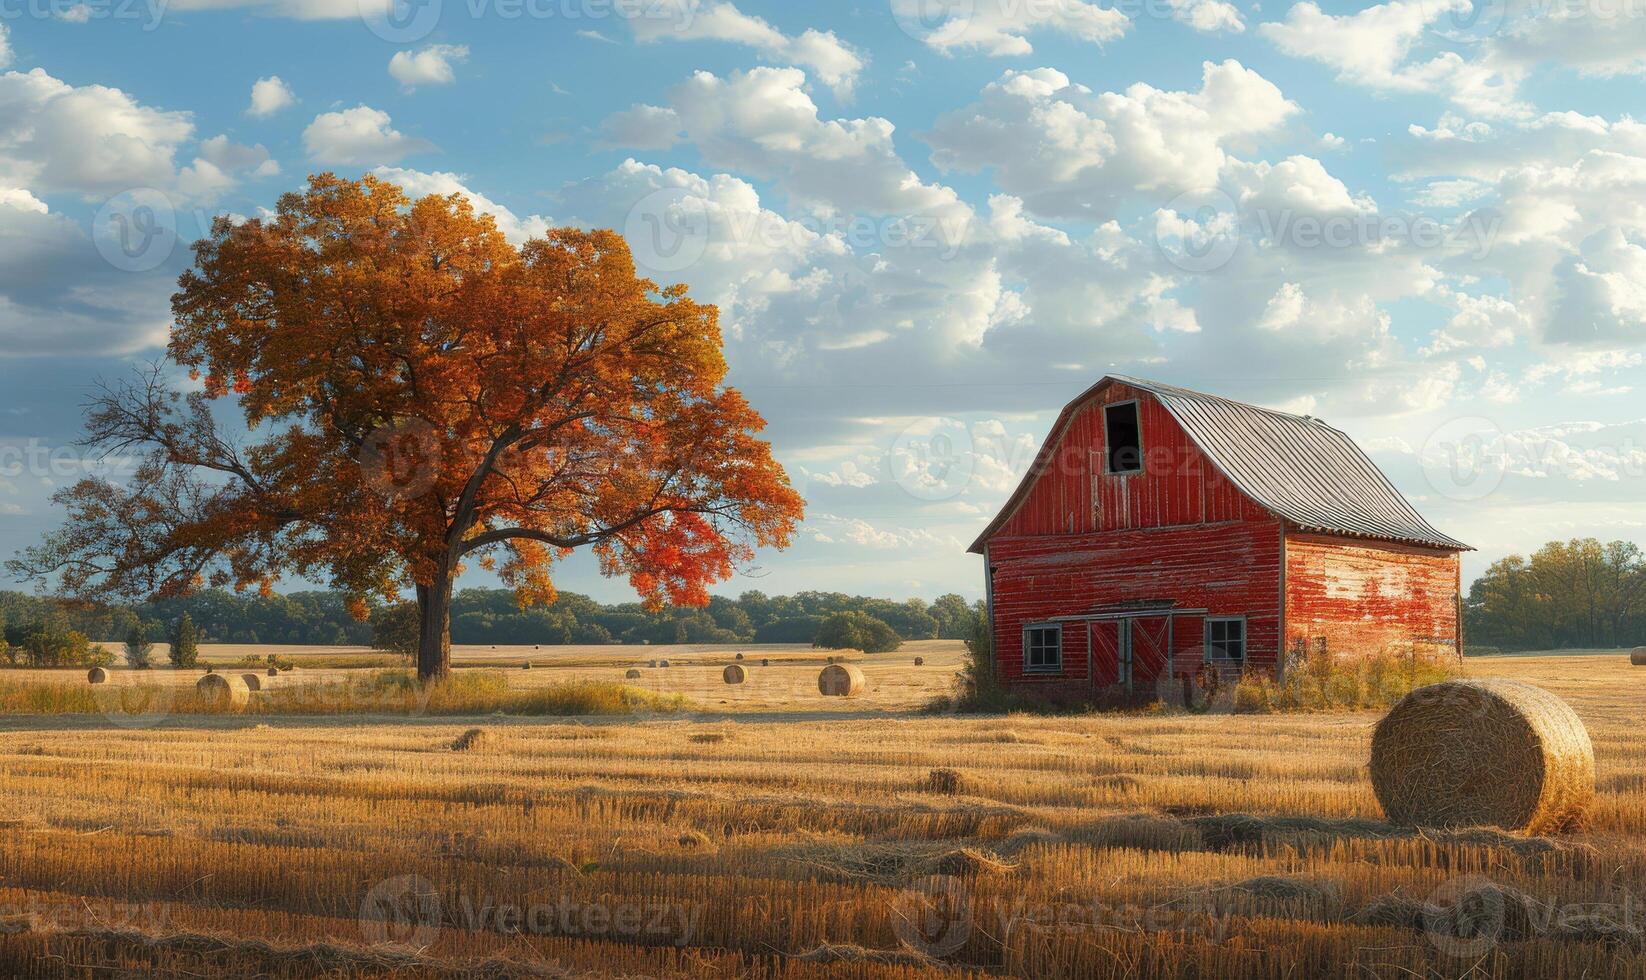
column 1043, row 648
column 1226, row 638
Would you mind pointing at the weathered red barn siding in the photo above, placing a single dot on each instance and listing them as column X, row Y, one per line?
column 1229, row 569
column 1178, row 530
column 1178, row 485
column 1362, row 596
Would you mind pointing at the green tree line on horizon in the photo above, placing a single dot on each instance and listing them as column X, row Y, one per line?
column 491, row 617
column 1572, row 594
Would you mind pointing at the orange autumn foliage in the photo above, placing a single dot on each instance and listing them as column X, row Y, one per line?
column 422, row 393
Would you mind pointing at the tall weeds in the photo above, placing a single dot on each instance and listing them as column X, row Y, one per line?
column 1322, row 681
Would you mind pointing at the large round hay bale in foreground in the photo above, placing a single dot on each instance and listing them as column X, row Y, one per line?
column 841, row 681
column 224, row 691
column 734, row 674
column 1483, row 753
column 1637, row 656
column 254, row 682
column 97, row 675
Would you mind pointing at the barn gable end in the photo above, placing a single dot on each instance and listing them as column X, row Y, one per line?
column 1233, row 534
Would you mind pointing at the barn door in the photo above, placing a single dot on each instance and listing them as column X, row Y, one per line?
column 1150, row 647
column 1106, row 647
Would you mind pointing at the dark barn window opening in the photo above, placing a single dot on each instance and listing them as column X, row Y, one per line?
column 1043, row 648
column 1226, row 638
column 1123, row 437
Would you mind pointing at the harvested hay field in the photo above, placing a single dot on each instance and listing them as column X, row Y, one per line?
column 875, row 844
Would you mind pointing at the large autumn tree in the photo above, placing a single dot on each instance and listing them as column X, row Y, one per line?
column 419, row 395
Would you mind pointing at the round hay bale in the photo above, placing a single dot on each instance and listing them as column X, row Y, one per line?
column 633, row 674
column 1637, row 656
column 1491, row 752
column 651, row 663
column 273, row 671
column 662, row 663
column 841, row 681
column 734, row 674
column 97, row 675
column 223, row 691
column 526, row 666
column 920, row 661
column 254, row 682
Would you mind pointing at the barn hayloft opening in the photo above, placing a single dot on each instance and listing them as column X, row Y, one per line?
column 1123, row 437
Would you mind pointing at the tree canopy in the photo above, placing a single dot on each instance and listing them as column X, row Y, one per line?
column 421, row 395
column 1578, row 593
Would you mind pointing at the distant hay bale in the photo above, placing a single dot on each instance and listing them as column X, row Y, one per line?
column 273, row 671
column 473, row 738
column 662, row 663
column 734, row 674
column 841, row 681
column 633, row 674
column 97, row 675
column 765, row 662
column 920, row 661
column 526, row 666
column 945, row 781
column 740, row 656
column 1483, row 753
column 254, row 682
column 651, row 663
column 831, row 660
column 841, row 953
column 1637, row 656
column 223, row 691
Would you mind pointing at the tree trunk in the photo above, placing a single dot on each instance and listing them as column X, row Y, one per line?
column 434, row 638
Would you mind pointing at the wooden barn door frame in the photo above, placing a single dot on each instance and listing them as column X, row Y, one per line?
column 1123, row 639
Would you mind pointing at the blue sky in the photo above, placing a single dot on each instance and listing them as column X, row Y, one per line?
column 928, row 222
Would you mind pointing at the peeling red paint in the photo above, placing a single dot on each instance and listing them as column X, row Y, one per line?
column 1360, row 597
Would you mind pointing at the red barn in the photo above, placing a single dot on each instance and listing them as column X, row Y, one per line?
column 1160, row 528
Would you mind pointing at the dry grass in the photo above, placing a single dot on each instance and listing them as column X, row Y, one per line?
column 803, row 844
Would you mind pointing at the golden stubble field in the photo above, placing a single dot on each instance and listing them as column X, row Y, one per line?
column 782, row 835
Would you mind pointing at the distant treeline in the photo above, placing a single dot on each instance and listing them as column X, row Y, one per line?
column 1578, row 593
column 491, row 616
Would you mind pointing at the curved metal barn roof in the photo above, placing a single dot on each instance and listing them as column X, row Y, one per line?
column 1300, row 469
